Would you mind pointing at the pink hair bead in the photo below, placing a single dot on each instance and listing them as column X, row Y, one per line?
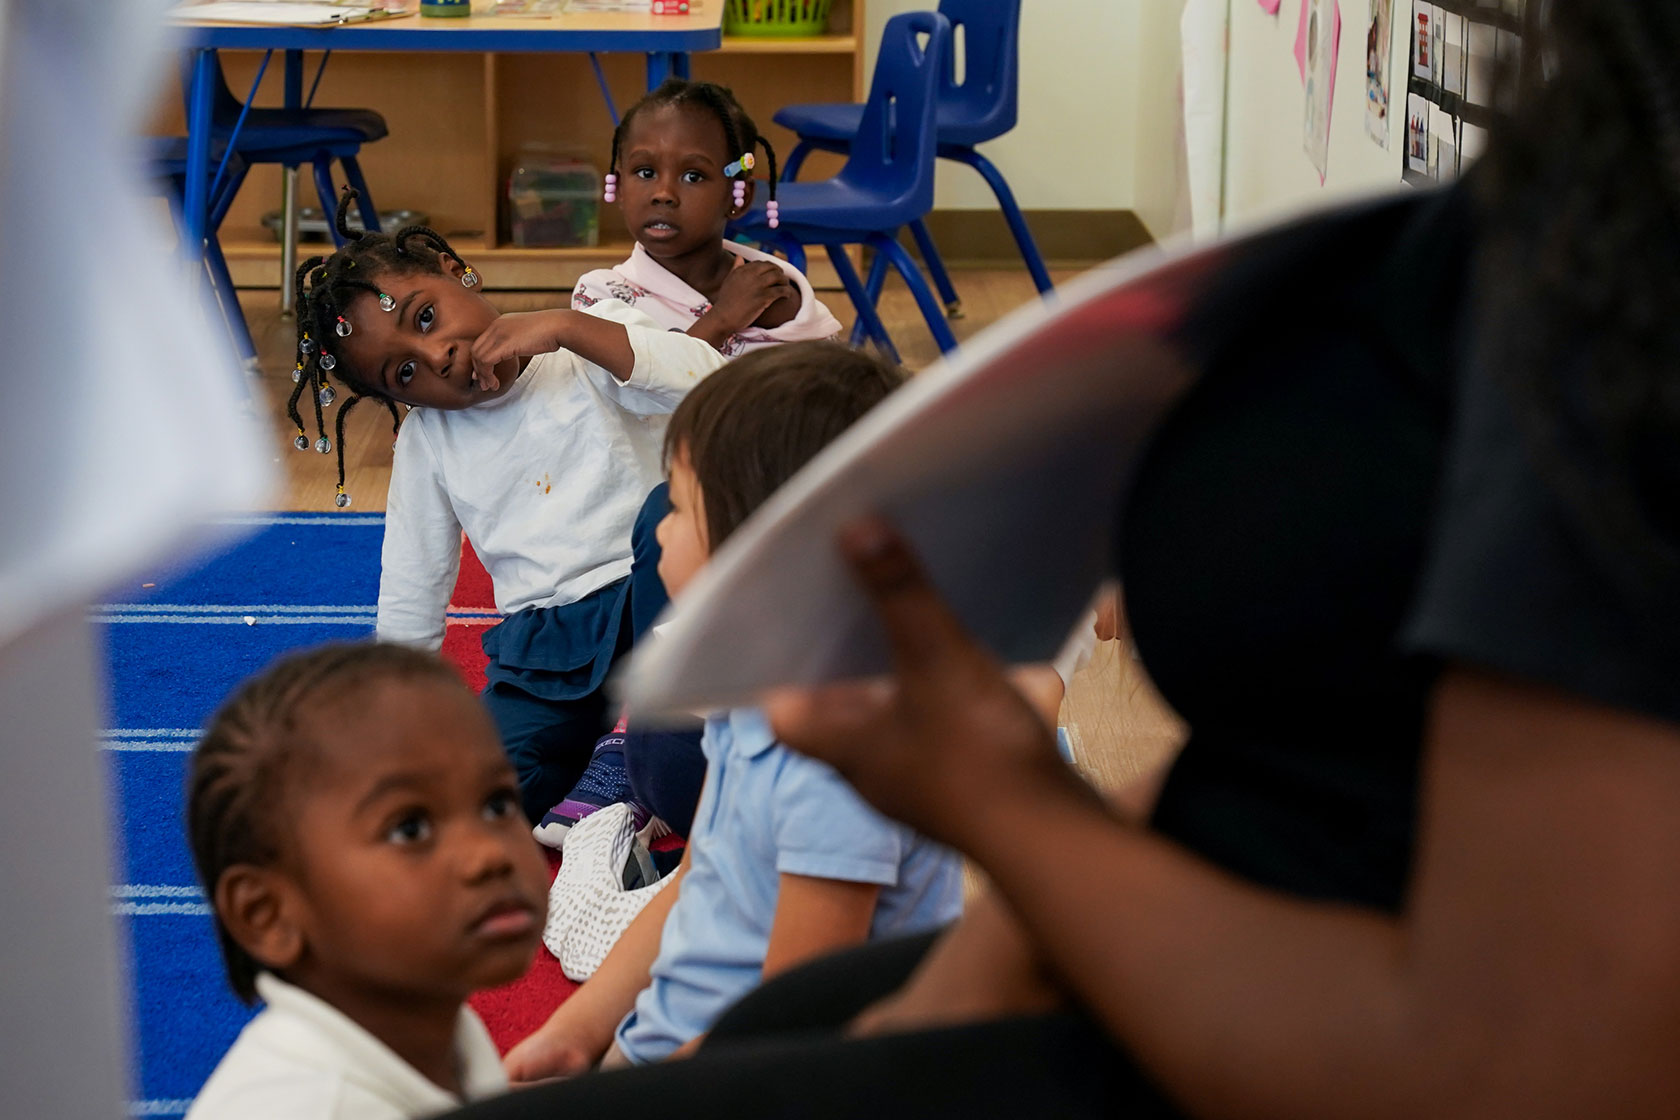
column 771, row 212
column 740, row 193
column 611, row 193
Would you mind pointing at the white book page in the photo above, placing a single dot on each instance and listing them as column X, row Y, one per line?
column 1003, row 466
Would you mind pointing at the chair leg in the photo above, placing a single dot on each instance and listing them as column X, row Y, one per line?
column 221, row 284
column 936, row 269
column 794, row 161
column 860, row 299
column 1011, row 212
column 364, row 199
column 931, row 311
column 328, row 194
column 877, row 280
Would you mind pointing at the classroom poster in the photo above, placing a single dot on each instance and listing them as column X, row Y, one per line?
column 1323, row 36
column 1379, row 38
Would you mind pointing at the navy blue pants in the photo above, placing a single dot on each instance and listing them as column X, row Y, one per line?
column 550, row 722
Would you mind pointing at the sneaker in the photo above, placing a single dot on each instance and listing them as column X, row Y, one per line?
column 603, row 782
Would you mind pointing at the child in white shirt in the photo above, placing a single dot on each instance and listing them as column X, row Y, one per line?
column 357, row 831
column 538, row 434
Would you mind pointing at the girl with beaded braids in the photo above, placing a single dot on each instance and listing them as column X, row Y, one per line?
column 683, row 163
column 536, row 434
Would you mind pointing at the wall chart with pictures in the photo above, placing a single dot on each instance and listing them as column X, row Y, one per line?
column 1457, row 49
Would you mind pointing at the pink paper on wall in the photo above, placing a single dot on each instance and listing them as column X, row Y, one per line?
column 1301, row 40
column 1270, row 7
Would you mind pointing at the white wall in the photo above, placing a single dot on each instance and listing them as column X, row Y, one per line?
column 1076, row 146
column 1267, row 172
column 1160, row 187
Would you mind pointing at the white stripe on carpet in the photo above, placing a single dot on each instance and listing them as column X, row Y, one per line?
column 156, row 909
column 304, row 519
column 238, row 620
column 160, row 1107
column 235, row 608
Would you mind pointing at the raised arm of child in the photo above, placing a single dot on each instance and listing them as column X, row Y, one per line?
column 577, row 1035
column 755, row 293
column 613, row 335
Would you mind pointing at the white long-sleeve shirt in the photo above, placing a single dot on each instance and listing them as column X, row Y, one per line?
column 546, row 480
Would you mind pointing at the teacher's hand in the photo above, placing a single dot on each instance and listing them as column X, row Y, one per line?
column 944, row 737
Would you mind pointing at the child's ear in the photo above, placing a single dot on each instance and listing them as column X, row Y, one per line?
column 263, row 913
column 752, row 190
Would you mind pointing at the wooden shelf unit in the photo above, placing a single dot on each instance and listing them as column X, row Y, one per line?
column 458, row 121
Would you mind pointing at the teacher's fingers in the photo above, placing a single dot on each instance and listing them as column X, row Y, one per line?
column 920, row 627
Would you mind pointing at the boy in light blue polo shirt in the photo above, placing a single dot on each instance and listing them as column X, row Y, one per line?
column 785, row 861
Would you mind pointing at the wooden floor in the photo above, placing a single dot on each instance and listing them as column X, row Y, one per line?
column 1119, row 727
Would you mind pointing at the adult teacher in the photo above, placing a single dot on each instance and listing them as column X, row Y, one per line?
column 1410, row 569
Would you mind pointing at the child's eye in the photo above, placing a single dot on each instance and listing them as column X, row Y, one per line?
column 693, row 177
column 643, row 173
column 405, row 373
column 501, row 805
column 424, row 319
column 414, row 828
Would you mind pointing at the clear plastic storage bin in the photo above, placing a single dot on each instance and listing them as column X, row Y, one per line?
column 554, row 200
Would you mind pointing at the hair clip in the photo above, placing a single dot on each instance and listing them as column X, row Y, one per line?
column 469, row 278
column 327, row 394
column 343, row 328
column 328, row 361
column 745, row 163
column 301, row 442
column 323, row 445
column 610, row 194
column 386, row 303
column 341, row 500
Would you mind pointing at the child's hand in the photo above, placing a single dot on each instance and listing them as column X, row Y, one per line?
column 755, row 293
column 513, row 336
column 548, row 1054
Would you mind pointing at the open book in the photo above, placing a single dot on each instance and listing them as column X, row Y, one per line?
column 280, row 13
column 1003, row 465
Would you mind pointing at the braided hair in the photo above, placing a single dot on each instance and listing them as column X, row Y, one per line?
column 1580, row 200
column 325, row 288
column 739, row 131
column 248, row 760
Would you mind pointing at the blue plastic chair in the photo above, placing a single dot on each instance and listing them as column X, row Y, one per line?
column 886, row 184
column 166, row 161
column 982, row 108
column 294, row 137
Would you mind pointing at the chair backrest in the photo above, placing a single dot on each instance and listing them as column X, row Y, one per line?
column 225, row 104
column 896, row 145
column 984, row 105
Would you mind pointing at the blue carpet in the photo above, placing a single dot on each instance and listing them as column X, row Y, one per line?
column 173, row 651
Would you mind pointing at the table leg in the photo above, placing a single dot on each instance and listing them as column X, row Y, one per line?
column 288, row 239
column 665, row 64
column 288, row 193
column 195, row 201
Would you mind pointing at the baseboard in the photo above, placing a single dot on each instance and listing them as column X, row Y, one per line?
column 1065, row 238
